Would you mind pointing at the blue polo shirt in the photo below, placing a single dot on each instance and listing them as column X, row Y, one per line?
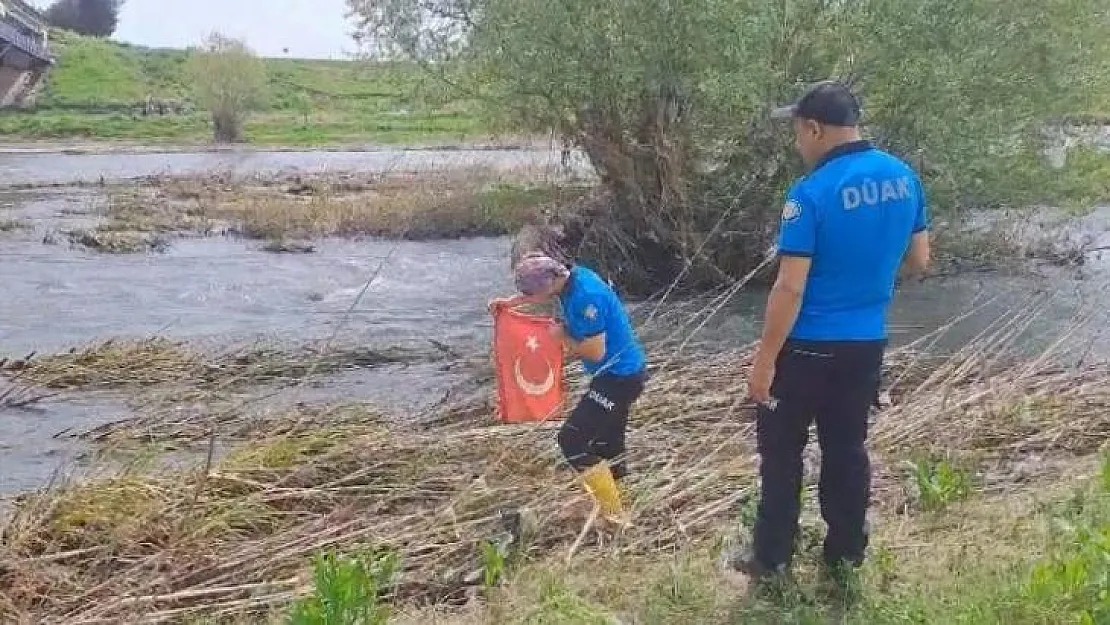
column 854, row 215
column 590, row 307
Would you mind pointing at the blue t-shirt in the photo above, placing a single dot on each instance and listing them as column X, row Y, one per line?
column 854, row 215
column 590, row 307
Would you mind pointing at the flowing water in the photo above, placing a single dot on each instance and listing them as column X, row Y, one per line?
column 223, row 291
column 59, row 169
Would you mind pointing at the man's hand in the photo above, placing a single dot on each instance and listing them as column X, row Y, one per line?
column 760, row 380
column 782, row 312
column 916, row 263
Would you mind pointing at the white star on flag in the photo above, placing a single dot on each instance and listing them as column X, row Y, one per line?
column 532, row 344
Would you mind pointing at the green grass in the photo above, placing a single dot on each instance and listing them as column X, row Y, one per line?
column 984, row 560
column 98, row 90
column 283, row 453
column 939, row 484
column 348, row 590
column 274, row 128
column 96, row 72
column 1083, row 182
column 47, row 124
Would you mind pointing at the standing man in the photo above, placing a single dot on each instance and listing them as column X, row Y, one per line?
column 847, row 227
column 598, row 331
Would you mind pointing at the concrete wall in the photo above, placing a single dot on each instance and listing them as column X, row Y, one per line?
column 10, row 79
column 14, row 85
column 35, row 82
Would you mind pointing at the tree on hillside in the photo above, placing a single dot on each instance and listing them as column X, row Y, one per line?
column 303, row 104
column 230, row 81
column 98, row 18
column 669, row 100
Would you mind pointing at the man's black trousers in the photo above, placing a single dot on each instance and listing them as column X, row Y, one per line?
column 835, row 385
column 596, row 427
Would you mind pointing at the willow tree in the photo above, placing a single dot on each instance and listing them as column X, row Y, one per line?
column 669, row 99
column 229, row 81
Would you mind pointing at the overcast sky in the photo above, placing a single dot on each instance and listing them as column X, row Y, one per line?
column 309, row 28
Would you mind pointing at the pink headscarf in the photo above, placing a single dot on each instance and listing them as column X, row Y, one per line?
column 536, row 273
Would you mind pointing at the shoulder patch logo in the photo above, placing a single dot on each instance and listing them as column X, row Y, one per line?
column 791, row 211
column 590, row 312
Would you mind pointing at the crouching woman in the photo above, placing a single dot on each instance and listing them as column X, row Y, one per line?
column 598, row 331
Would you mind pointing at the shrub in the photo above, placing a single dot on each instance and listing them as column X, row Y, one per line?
column 230, row 82
column 670, row 100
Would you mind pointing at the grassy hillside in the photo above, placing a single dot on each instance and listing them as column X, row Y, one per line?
column 99, row 88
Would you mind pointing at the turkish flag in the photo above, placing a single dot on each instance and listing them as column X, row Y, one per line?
column 528, row 357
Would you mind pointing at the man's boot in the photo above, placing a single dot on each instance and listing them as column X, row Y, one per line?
column 762, row 581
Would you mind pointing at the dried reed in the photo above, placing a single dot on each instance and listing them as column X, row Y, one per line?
column 236, row 538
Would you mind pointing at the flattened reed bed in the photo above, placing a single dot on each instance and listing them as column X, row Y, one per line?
column 414, row 205
column 171, row 375
column 116, row 364
column 238, row 536
column 18, row 395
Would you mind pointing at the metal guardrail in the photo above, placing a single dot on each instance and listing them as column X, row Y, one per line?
column 24, row 42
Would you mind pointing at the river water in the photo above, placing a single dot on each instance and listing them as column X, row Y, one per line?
column 57, row 169
column 226, row 291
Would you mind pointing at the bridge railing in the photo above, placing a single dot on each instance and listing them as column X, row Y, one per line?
column 26, row 43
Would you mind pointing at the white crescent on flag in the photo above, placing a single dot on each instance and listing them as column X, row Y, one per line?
column 532, row 388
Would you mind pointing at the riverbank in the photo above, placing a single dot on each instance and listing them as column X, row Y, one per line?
column 334, row 129
column 994, row 558
column 485, row 525
column 94, row 146
column 104, row 91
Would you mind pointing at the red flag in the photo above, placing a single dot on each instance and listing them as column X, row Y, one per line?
column 529, row 361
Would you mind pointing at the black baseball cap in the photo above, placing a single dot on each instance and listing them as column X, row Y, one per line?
column 827, row 102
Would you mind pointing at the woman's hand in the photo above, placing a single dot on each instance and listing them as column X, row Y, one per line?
column 498, row 304
column 559, row 333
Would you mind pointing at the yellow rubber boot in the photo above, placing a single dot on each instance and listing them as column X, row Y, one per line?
column 599, row 482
